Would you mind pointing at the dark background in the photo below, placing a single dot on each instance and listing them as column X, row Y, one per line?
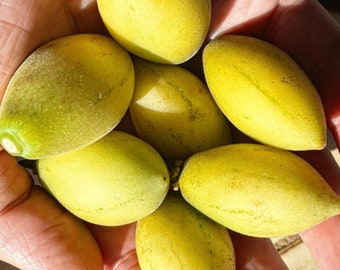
column 331, row 4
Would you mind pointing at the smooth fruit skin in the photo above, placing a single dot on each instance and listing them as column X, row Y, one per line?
column 65, row 95
column 161, row 31
column 264, row 93
column 114, row 181
column 173, row 110
column 178, row 237
column 257, row 190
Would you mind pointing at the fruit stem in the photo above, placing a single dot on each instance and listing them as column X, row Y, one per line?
column 175, row 169
column 10, row 146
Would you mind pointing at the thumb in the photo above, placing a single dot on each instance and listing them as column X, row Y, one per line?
column 36, row 232
column 117, row 244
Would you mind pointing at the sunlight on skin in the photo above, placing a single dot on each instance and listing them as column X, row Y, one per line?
column 317, row 51
column 236, row 14
column 260, row 253
column 123, row 236
column 84, row 4
column 34, row 224
column 323, row 240
column 14, row 182
column 43, row 21
column 335, row 124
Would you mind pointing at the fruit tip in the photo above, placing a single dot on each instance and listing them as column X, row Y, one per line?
column 10, row 147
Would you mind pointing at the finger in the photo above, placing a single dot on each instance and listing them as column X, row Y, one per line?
column 118, row 249
column 30, row 24
column 15, row 183
column 117, row 245
column 302, row 28
column 311, row 36
column 23, row 28
column 242, row 16
column 325, row 163
column 36, row 232
column 256, row 253
column 86, row 16
column 323, row 240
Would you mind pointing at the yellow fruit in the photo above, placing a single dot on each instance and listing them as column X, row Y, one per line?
column 178, row 237
column 257, row 190
column 114, row 181
column 65, row 95
column 174, row 111
column 264, row 93
column 161, row 31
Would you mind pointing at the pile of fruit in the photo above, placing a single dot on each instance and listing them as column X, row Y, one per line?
column 65, row 106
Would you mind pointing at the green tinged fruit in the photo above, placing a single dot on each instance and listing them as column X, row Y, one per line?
column 264, row 93
column 67, row 94
column 257, row 190
column 173, row 110
column 114, row 181
column 178, row 237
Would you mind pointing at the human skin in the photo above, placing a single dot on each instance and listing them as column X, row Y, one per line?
column 37, row 233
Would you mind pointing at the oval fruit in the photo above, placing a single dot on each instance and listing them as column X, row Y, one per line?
column 177, row 236
column 114, row 181
column 173, row 111
column 264, row 93
column 160, row 31
column 257, row 190
column 65, row 95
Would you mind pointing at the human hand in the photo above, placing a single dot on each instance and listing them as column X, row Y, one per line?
column 310, row 35
column 36, row 233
